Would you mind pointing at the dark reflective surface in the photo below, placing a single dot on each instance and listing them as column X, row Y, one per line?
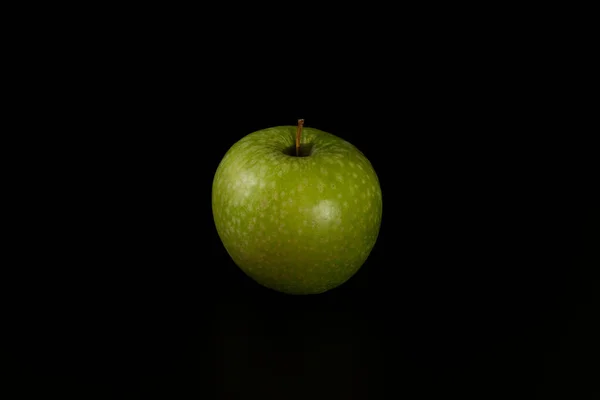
column 481, row 282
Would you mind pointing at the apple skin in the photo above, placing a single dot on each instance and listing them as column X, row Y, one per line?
column 297, row 225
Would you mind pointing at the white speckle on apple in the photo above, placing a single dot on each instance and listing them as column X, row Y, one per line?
column 339, row 178
column 320, row 187
column 339, row 195
column 263, row 170
column 326, row 210
column 300, row 188
column 354, row 175
column 324, row 171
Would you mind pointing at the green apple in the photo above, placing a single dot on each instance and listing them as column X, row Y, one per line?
column 298, row 210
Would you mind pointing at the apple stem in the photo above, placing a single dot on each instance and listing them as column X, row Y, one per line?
column 298, row 134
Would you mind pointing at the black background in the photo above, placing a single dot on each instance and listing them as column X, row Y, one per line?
column 481, row 282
